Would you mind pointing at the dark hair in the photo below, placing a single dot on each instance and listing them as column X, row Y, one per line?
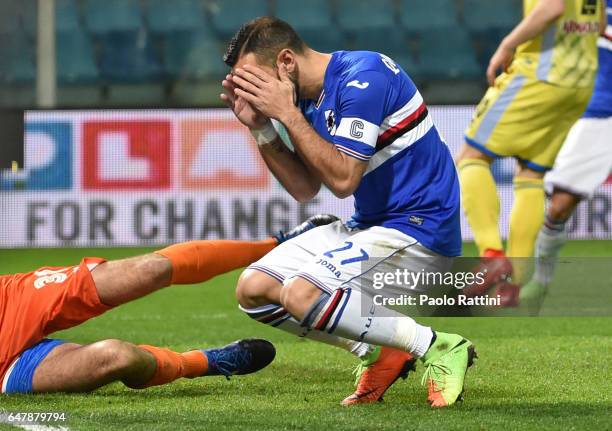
column 265, row 37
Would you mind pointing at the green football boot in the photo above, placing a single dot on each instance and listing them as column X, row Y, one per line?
column 446, row 363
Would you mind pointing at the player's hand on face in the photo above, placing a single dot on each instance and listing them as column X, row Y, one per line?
column 500, row 61
column 271, row 96
column 244, row 111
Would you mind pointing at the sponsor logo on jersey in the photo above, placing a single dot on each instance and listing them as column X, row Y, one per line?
column 572, row 26
column 416, row 220
column 589, row 7
column 357, row 84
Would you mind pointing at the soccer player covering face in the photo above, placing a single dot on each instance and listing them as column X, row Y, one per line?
column 36, row 304
column 584, row 162
column 359, row 126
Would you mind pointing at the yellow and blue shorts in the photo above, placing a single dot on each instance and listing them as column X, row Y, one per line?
column 525, row 118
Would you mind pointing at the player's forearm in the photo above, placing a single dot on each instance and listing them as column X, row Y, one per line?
column 321, row 158
column 543, row 15
column 289, row 170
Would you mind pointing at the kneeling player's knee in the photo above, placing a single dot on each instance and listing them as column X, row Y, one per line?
column 255, row 288
column 115, row 356
column 297, row 296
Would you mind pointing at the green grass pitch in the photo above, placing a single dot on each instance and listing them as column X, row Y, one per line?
column 533, row 373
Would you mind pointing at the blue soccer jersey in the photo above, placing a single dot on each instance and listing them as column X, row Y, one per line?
column 371, row 110
column 601, row 101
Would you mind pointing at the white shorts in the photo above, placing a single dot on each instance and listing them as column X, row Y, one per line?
column 585, row 159
column 334, row 256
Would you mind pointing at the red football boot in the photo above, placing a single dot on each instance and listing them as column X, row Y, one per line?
column 379, row 373
column 495, row 267
column 508, row 294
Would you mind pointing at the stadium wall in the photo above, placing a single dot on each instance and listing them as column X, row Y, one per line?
column 149, row 177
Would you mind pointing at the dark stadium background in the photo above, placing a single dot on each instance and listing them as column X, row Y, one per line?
column 166, row 53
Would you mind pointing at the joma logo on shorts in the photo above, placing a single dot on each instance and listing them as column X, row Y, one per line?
column 330, row 266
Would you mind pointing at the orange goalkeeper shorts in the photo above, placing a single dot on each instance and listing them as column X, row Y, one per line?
column 44, row 301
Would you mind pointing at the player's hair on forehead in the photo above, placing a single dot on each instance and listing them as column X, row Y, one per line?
column 265, row 37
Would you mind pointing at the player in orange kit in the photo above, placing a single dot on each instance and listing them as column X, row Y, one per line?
column 38, row 303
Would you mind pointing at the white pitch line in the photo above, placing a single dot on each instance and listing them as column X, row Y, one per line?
column 38, row 427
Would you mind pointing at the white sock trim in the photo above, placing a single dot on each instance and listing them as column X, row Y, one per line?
column 361, row 349
column 422, row 340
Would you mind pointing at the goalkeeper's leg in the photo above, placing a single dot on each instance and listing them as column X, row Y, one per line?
column 190, row 262
column 83, row 368
column 121, row 281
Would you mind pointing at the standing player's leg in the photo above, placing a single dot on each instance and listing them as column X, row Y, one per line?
column 259, row 291
column 493, row 131
column 550, row 240
column 509, row 122
column 526, row 217
column 559, row 109
column 384, row 327
column 584, row 162
column 480, row 203
column 480, row 200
